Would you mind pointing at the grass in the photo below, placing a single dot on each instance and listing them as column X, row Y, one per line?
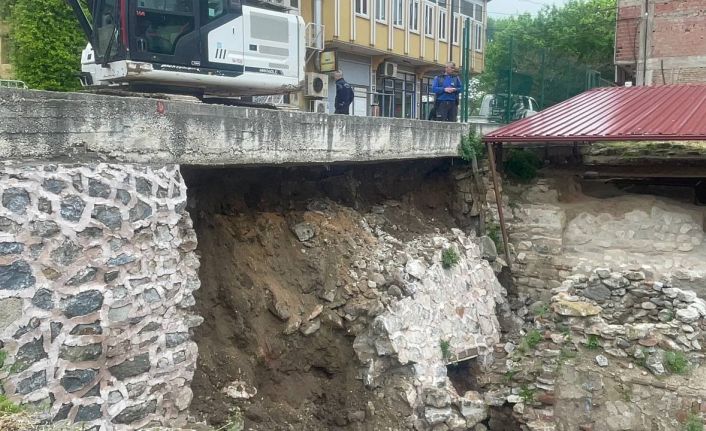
column 541, row 311
column 7, row 407
column 676, row 362
column 449, row 258
column 493, row 232
column 445, row 346
column 527, row 394
column 508, row 376
column 533, row 338
column 694, row 423
column 592, row 343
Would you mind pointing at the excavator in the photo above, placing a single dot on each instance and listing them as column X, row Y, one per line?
column 198, row 47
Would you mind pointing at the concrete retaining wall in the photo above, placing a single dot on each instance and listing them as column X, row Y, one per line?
column 37, row 125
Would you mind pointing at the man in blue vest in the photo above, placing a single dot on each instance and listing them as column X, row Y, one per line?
column 344, row 94
column 447, row 88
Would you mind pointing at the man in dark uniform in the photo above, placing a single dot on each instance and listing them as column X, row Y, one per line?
column 344, row 94
column 447, row 88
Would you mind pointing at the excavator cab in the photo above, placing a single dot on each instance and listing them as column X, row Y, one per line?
column 199, row 44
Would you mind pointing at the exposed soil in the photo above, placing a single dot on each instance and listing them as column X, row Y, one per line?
column 251, row 259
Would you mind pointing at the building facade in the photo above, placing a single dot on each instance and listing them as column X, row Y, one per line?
column 660, row 42
column 390, row 50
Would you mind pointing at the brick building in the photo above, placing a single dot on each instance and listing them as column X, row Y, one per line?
column 660, row 41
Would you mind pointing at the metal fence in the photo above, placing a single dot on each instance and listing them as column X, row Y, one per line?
column 529, row 77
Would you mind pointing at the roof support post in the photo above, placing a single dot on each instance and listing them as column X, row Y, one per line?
column 499, row 201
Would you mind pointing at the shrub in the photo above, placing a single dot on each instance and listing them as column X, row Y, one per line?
column 541, row 311
column 3, row 356
column 592, row 343
column 527, row 394
column 694, row 423
column 522, row 165
column 493, row 232
column 449, row 258
column 445, row 346
column 47, row 44
column 676, row 362
column 7, row 407
column 471, row 146
column 533, row 338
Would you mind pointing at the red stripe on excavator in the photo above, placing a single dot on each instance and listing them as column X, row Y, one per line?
column 123, row 24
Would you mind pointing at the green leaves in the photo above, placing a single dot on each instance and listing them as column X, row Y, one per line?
column 47, row 44
column 551, row 51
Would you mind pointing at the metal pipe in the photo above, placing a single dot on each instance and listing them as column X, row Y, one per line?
column 644, row 48
column 318, row 21
column 498, row 200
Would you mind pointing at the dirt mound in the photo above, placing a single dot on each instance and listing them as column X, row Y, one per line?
column 276, row 260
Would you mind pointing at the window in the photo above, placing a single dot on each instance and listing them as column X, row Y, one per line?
column 478, row 37
column 467, row 8
column 381, row 10
column 479, row 13
column 398, row 13
column 361, row 7
column 414, row 15
column 455, row 29
column 429, row 20
column 442, row 24
column 212, row 9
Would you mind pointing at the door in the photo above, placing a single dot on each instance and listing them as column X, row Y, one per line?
column 107, row 37
column 165, row 31
column 222, row 36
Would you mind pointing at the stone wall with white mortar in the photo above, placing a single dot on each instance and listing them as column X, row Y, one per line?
column 455, row 306
column 97, row 266
column 552, row 238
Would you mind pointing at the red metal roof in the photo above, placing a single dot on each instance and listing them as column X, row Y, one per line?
column 667, row 112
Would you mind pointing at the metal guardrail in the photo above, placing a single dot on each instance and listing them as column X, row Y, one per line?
column 11, row 83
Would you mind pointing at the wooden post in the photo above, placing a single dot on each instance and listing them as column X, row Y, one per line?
column 499, row 201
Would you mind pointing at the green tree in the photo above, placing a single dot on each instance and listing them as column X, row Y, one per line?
column 47, row 43
column 551, row 51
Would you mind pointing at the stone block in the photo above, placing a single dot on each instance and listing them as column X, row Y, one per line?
column 134, row 367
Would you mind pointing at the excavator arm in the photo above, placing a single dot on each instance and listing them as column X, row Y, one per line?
column 82, row 18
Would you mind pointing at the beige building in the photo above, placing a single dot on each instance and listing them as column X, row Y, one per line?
column 390, row 50
column 5, row 67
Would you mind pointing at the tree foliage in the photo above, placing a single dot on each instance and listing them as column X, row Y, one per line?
column 556, row 47
column 47, row 43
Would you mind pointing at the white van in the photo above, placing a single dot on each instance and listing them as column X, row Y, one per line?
column 494, row 106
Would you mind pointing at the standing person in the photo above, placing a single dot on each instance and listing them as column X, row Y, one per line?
column 344, row 94
column 447, row 88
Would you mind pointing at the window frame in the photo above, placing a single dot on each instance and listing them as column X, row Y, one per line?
column 381, row 9
column 429, row 20
column 456, row 25
column 398, row 12
column 414, row 8
column 443, row 24
column 478, row 38
column 362, row 8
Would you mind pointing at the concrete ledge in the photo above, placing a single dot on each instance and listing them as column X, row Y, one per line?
column 80, row 127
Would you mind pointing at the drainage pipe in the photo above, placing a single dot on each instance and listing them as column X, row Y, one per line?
column 318, row 21
column 499, row 201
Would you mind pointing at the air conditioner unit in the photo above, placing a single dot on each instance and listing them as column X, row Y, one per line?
column 295, row 99
column 389, row 69
column 316, row 85
column 318, row 106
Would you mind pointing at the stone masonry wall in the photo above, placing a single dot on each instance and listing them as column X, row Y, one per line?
column 97, row 266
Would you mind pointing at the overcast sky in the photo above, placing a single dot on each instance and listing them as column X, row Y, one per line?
column 501, row 8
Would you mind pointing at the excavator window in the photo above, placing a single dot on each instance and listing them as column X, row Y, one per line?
column 212, row 9
column 105, row 28
column 161, row 23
